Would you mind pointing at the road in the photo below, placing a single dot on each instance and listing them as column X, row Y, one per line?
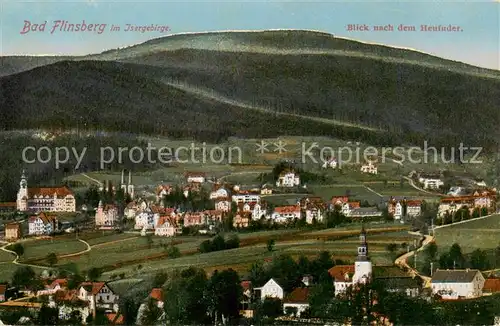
column 402, row 261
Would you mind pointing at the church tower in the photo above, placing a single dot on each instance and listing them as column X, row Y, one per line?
column 363, row 265
column 22, row 194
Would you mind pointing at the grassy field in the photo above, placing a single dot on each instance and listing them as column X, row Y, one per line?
column 356, row 193
column 475, row 234
column 60, row 246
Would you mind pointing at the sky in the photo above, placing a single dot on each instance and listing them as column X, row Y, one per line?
column 476, row 42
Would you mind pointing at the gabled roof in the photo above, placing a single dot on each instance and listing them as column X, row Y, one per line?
column 61, row 281
column 454, row 276
column 60, row 192
column 115, row 319
column 299, row 295
column 339, row 272
column 93, row 287
column 46, row 219
column 287, row 209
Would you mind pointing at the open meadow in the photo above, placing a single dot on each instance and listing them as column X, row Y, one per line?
column 134, row 255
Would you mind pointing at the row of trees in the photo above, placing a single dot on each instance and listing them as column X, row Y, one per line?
column 220, row 243
column 462, row 214
column 454, row 258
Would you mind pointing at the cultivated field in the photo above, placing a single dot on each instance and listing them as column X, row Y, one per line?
column 482, row 233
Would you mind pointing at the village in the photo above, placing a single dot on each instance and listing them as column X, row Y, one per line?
column 204, row 206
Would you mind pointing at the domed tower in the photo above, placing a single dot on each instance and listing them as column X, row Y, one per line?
column 363, row 265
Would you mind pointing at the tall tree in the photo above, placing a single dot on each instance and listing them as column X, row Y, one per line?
column 223, row 295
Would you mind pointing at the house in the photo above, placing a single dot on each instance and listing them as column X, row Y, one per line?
column 478, row 200
column 410, row 285
column 288, row 178
column 42, row 224
column 56, row 285
column 271, row 289
column 413, row 208
column 98, row 295
column 60, row 199
column 395, row 208
column 157, row 296
column 297, row 302
column 242, row 219
column 349, row 206
column 369, row 168
column 219, row 192
column 166, row 226
column 195, row 177
column 266, row 190
column 107, row 216
column 258, row 210
column 342, row 277
column 67, row 302
column 430, row 180
column 223, row 204
column 246, row 197
column 13, row 231
column 338, row 202
column 286, row 213
column 457, row 284
column 331, row 163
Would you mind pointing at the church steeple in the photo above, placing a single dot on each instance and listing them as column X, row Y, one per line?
column 363, row 246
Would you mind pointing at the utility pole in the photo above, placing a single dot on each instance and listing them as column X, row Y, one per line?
column 432, row 268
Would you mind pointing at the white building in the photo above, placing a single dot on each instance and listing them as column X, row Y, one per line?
column 58, row 199
column 430, row 181
column 219, row 193
column 369, row 168
column 288, row 178
column 345, row 276
column 246, row 197
column 42, row 224
column 166, row 226
column 223, row 204
column 298, row 300
column 98, row 295
column 286, row 213
column 195, row 177
column 271, row 290
column 458, row 284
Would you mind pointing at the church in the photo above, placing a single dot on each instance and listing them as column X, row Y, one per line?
column 345, row 276
column 57, row 199
column 391, row 277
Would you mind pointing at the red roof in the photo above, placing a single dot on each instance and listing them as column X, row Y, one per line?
column 13, row 226
column 96, row 286
column 338, row 272
column 491, row 285
column 354, row 204
column 60, row 192
column 44, row 217
column 157, row 294
column 61, row 281
column 3, row 288
column 414, row 203
column 299, row 295
column 343, row 199
column 287, row 209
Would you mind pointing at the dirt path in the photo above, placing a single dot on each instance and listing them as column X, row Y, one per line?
column 402, row 261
